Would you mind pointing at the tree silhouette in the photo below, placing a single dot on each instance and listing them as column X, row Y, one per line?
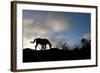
column 62, row 45
column 85, row 43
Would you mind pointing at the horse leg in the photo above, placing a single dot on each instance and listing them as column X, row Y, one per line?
column 44, row 47
column 49, row 45
column 36, row 46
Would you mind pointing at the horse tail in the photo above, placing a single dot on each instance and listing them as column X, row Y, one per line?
column 33, row 41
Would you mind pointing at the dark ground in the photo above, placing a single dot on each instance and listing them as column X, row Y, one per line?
column 55, row 54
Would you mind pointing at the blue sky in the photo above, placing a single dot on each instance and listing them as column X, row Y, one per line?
column 70, row 26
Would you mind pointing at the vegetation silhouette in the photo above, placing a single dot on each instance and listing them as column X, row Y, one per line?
column 61, row 52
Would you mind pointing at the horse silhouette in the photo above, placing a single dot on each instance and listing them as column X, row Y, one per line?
column 42, row 42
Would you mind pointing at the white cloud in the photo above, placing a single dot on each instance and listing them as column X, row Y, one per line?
column 44, row 26
column 87, row 36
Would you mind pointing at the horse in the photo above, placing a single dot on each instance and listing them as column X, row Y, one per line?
column 42, row 42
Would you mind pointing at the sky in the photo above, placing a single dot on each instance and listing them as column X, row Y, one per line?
column 55, row 26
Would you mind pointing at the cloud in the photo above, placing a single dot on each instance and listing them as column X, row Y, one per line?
column 87, row 36
column 44, row 26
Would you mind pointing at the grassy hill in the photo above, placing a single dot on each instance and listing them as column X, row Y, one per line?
column 55, row 54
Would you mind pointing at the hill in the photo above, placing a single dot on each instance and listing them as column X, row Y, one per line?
column 55, row 54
